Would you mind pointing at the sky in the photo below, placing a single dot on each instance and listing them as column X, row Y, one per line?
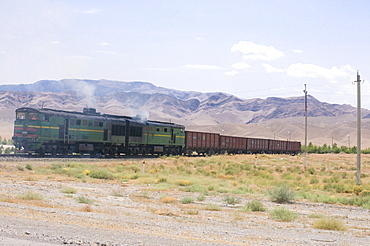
column 250, row 49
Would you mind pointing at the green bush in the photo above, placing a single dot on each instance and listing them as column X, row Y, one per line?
column 29, row 195
column 187, row 199
column 82, row 199
column 101, row 174
column 282, row 194
column 68, row 190
column 231, row 200
column 254, row 206
column 283, row 214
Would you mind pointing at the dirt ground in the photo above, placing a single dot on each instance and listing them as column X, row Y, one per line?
column 131, row 214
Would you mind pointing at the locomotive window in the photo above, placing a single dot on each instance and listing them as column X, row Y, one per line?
column 158, row 129
column 101, row 124
column 84, row 122
column 96, row 123
column 90, row 123
column 21, row 116
column 118, row 130
column 45, row 117
column 136, row 131
column 32, row 116
column 72, row 122
column 165, row 129
column 78, row 122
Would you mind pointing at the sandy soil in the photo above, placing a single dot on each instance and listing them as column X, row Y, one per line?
column 132, row 214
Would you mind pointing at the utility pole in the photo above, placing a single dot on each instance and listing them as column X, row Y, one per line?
column 305, row 127
column 358, row 172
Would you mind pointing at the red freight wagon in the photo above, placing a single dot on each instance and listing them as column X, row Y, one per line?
column 202, row 142
column 257, row 145
column 234, row 145
column 277, row 146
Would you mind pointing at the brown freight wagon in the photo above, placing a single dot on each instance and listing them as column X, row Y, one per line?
column 293, row 148
column 233, row 145
column 257, row 145
column 277, row 146
column 202, row 143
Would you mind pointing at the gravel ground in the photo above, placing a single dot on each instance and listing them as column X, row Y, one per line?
column 129, row 214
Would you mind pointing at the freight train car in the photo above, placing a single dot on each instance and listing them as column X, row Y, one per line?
column 202, row 143
column 48, row 131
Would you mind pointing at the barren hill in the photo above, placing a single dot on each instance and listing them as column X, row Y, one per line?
column 280, row 118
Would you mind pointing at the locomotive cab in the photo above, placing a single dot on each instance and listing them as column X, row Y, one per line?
column 27, row 129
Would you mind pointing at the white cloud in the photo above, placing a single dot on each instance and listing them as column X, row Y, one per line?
column 315, row 71
column 232, row 73
column 271, row 69
column 298, row 51
column 240, row 65
column 254, row 51
column 104, row 44
column 90, row 11
column 206, row 67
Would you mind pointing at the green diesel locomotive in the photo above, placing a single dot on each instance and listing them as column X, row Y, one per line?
column 58, row 132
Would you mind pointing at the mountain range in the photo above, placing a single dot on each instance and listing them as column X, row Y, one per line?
column 273, row 117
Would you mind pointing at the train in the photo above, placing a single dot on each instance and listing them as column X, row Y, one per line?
column 57, row 132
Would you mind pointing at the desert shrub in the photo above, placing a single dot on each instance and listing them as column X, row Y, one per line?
column 55, row 166
column 20, row 168
column 283, row 214
column 29, row 166
column 311, row 170
column 315, row 216
column 29, row 195
column 82, row 199
column 212, row 207
column 87, row 208
column 168, row 199
column 201, row 198
column 101, row 174
column 329, row 224
column 281, row 194
column 187, row 199
column 192, row 212
column 254, row 206
column 68, row 190
column 231, row 200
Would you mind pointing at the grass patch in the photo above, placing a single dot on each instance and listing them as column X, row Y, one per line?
column 332, row 224
column 282, row 214
column 30, row 195
column 101, row 174
column 231, row 200
column 212, row 207
column 254, row 206
column 68, row 190
column 187, row 199
column 168, row 199
column 83, row 199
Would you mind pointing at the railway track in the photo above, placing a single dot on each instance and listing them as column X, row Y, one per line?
column 26, row 156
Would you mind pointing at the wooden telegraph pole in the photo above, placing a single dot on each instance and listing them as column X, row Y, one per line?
column 305, row 127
